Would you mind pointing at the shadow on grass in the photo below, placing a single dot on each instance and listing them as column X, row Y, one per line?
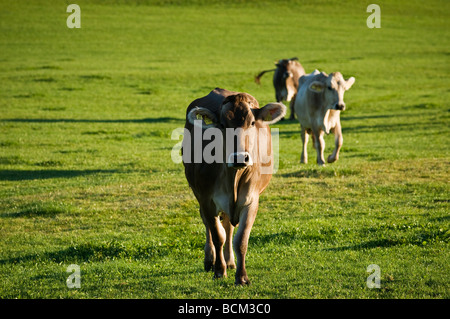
column 40, row 209
column 90, row 252
column 166, row 119
column 283, row 238
column 321, row 172
column 377, row 116
column 344, row 118
column 380, row 128
column 110, row 250
column 291, row 237
column 362, row 129
column 421, row 236
column 287, row 121
column 290, row 134
column 371, row 244
column 22, row 175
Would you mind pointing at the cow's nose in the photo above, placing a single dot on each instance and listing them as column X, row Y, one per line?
column 240, row 160
column 340, row 106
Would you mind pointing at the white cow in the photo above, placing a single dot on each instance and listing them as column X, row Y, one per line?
column 318, row 105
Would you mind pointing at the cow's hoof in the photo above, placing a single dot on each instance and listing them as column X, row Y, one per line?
column 219, row 275
column 231, row 266
column 209, row 265
column 331, row 159
column 241, row 281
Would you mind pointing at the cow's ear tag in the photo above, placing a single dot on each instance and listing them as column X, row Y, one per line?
column 316, row 87
column 207, row 120
column 204, row 118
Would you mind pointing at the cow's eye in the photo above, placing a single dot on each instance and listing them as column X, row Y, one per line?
column 329, row 88
column 253, row 123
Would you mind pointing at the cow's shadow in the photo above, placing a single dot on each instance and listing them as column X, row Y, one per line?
column 166, row 119
column 321, row 172
column 22, row 175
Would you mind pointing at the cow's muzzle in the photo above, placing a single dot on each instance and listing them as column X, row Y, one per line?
column 340, row 106
column 239, row 160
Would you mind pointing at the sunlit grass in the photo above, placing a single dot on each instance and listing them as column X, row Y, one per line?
column 86, row 175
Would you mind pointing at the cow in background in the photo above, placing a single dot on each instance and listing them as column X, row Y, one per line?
column 285, row 80
column 318, row 105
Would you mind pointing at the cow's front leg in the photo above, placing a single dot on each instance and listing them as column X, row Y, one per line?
column 218, row 237
column 305, row 139
column 320, row 146
column 240, row 241
column 338, row 140
column 228, row 248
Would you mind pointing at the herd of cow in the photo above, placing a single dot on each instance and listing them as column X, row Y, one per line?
column 228, row 191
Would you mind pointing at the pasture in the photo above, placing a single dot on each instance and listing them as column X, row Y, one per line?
column 86, row 176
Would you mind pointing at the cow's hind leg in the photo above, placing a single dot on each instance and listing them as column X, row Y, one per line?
column 313, row 138
column 291, row 107
column 210, row 252
column 305, row 138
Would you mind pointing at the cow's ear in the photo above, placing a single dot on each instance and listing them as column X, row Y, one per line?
column 317, row 86
column 270, row 113
column 349, row 83
column 200, row 116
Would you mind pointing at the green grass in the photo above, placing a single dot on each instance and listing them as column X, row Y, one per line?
column 86, row 175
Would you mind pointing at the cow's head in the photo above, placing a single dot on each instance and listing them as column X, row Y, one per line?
column 332, row 89
column 239, row 121
column 284, row 80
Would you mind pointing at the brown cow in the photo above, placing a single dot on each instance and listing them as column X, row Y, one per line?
column 229, row 187
column 318, row 105
column 285, row 80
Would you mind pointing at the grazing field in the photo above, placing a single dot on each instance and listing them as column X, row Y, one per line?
column 86, row 176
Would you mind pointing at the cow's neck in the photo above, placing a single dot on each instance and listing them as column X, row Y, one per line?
column 329, row 119
column 235, row 178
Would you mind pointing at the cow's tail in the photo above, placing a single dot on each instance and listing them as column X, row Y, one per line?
column 258, row 77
